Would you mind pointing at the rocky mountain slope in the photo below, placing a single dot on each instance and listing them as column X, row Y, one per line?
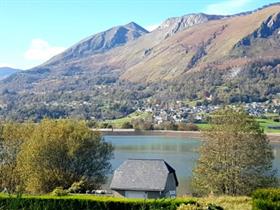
column 102, row 42
column 110, row 74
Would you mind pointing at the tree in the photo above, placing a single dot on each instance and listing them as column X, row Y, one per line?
column 12, row 136
column 187, row 127
column 59, row 153
column 127, row 125
column 235, row 158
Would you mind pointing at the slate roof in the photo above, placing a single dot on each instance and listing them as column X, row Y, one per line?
column 142, row 174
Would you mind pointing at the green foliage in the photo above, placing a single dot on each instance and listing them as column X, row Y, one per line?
column 228, row 202
column 12, row 136
column 89, row 203
column 199, row 207
column 126, row 125
column 59, row 191
column 167, row 125
column 265, row 123
column 37, row 158
column 187, row 127
column 119, row 122
column 61, row 152
column 141, row 124
column 235, row 158
column 92, row 124
column 272, row 194
column 77, row 187
column 266, row 199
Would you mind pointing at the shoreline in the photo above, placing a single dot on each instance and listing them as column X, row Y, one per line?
column 273, row 137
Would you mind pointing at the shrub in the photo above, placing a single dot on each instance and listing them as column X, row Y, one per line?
column 276, row 120
column 89, row 203
column 77, row 187
column 59, row 191
column 187, row 127
column 127, row 125
column 199, row 207
column 266, row 199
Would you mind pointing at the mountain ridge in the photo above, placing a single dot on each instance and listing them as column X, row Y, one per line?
column 234, row 58
column 7, row 71
column 102, row 42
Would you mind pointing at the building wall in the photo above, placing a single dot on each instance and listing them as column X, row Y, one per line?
column 170, row 185
column 150, row 194
column 155, row 195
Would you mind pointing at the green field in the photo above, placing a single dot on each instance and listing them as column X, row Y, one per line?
column 264, row 123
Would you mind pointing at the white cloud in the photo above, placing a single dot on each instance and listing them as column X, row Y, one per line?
column 152, row 27
column 227, row 7
column 41, row 50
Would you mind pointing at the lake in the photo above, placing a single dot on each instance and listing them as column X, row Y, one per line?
column 180, row 152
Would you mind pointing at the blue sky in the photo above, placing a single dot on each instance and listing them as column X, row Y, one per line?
column 34, row 30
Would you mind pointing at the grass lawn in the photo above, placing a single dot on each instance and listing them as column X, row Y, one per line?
column 202, row 126
column 264, row 123
column 117, row 123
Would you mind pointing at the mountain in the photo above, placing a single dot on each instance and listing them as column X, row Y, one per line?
column 7, row 71
column 177, row 24
column 110, row 74
column 102, row 42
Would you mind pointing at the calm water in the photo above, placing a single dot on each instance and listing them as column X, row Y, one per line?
column 179, row 152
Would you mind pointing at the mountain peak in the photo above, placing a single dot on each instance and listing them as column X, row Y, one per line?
column 102, row 42
column 175, row 24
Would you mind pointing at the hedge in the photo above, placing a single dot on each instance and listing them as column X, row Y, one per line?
column 266, row 199
column 88, row 203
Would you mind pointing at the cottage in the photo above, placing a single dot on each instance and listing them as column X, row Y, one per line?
column 144, row 178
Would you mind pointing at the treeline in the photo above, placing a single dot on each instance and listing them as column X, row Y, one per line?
column 37, row 158
column 146, row 124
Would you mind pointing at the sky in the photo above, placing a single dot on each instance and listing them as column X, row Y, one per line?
column 32, row 31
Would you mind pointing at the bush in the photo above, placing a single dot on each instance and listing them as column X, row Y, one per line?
column 127, row 125
column 89, row 203
column 199, row 207
column 187, row 127
column 276, row 120
column 78, row 187
column 59, row 191
column 266, row 199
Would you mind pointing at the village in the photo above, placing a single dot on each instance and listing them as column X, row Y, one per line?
column 199, row 113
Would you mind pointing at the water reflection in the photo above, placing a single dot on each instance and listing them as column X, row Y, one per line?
column 180, row 152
